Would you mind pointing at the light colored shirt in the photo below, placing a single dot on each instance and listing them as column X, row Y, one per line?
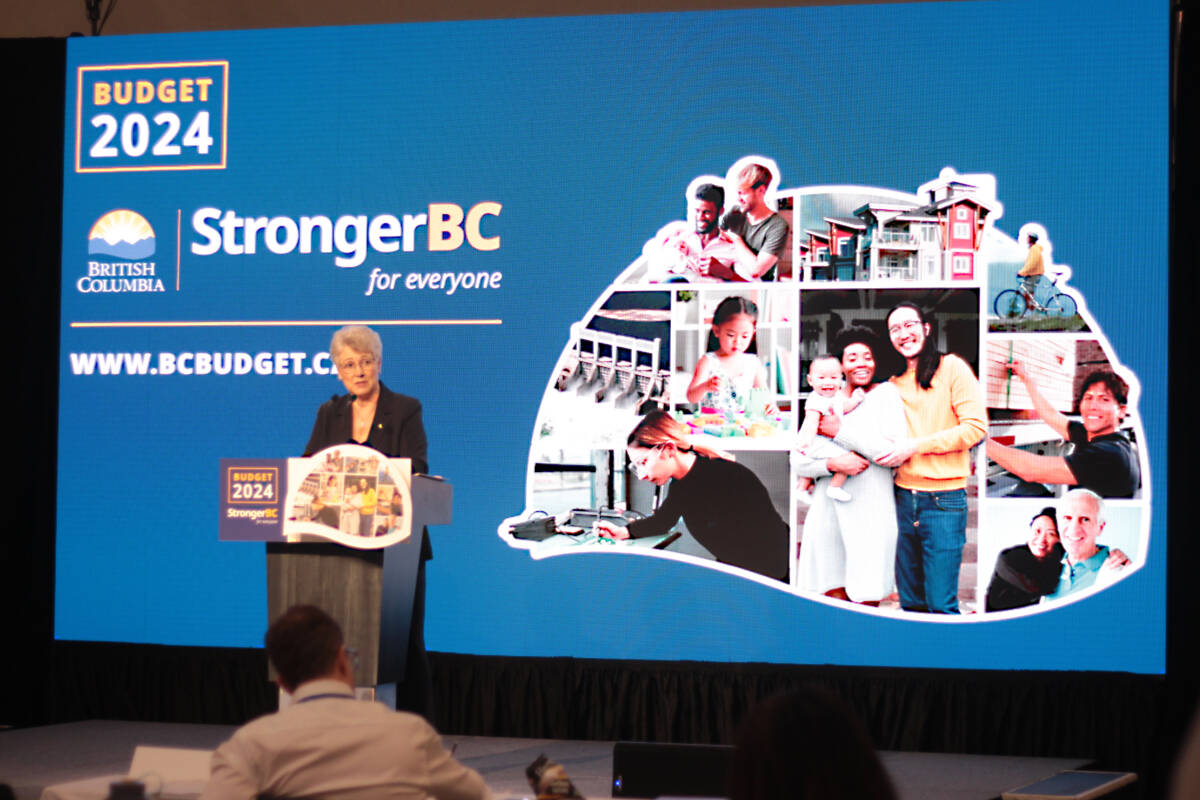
column 675, row 252
column 1080, row 576
column 329, row 745
column 853, row 544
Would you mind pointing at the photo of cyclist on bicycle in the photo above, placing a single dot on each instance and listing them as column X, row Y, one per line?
column 1039, row 301
column 1033, row 269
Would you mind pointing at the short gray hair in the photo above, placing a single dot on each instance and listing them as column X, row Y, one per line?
column 1097, row 499
column 356, row 337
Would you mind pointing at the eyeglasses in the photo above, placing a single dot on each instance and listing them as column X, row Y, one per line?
column 906, row 327
column 641, row 466
column 350, row 365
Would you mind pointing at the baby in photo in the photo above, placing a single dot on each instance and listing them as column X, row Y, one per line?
column 827, row 382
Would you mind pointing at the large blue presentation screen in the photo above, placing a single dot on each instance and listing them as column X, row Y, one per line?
column 559, row 226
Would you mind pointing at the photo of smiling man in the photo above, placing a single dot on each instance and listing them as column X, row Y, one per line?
column 943, row 406
column 759, row 233
column 1085, row 564
column 687, row 251
column 1088, row 449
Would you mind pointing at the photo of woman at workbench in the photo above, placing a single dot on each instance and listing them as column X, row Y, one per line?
column 724, row 504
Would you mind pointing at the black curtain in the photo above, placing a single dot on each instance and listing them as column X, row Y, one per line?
column 31, row 140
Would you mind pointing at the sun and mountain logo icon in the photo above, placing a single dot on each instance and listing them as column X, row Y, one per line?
column 122, row 234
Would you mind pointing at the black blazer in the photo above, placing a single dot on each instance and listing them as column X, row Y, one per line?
column 397, row 430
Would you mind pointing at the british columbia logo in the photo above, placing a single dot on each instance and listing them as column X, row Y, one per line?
column 121, row 247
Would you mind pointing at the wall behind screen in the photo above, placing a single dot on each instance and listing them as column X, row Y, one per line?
column 587, row 130
column 62, row 17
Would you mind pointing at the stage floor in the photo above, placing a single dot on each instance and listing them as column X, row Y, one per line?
column 33, row 758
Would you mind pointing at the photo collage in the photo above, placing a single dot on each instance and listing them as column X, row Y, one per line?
column 866, row 397
column 350, row 494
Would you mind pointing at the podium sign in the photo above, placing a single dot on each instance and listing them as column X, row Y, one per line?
column 252, row 499
column 348, row 494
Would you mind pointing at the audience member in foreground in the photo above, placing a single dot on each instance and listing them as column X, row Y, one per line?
column 1185, row 779
column 805, row 746
column 326, row 744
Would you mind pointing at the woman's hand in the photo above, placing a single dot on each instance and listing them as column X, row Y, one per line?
column 829, row 425
column 847, row 463
column 902, row 450
column 1116, row 560
column 609, row 531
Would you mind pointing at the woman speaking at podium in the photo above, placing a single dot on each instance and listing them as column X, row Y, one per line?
column 374, row 416
column 371, row 414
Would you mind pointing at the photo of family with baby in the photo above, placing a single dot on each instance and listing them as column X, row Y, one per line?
column 888, row 497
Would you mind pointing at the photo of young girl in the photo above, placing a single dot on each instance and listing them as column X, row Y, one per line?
column 729, row 370
column 733, row 365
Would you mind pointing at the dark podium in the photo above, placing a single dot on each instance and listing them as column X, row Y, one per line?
column 369, row 591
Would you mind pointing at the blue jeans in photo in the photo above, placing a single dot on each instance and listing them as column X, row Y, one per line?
column 932, row 531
